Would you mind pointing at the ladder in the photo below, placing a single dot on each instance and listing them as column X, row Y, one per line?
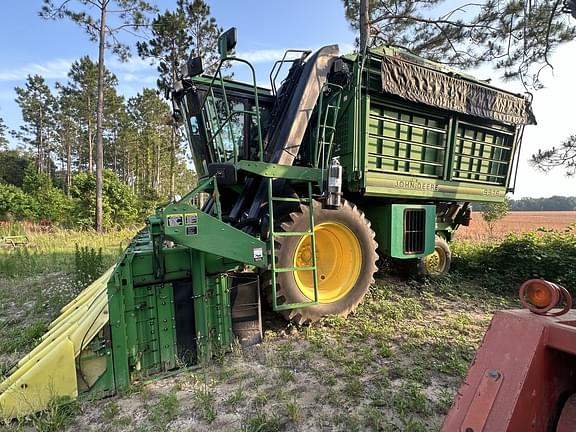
column 273, row 235
column 326, row 126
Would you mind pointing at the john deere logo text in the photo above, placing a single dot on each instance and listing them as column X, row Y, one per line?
column 416, row 185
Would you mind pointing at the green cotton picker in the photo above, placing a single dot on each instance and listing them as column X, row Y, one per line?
column 301, row 186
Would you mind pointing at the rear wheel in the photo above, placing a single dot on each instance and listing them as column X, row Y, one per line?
column 345, row 260
column 438, row 263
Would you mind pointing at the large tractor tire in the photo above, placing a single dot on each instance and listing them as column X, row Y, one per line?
column 345, row 258
column 438, row 263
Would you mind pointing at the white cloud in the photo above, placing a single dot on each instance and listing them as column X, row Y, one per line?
column 135, row 78
column 262, row 56
column 53, row 69
column 58, row 68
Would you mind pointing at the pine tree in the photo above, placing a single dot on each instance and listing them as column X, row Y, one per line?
column 67, row 134
column 168, row 46
column 517, row 36
column 94, row 16
column 152, row 136
column 37, row 104
column 203, row 32
column 188, row 29
column 563, row 156
column 3, row 139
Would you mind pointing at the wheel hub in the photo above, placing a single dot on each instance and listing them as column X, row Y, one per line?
column 435, row 262
column 338, row 262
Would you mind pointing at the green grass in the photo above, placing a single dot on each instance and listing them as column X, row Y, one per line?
column 164, row 411
column 55, row 251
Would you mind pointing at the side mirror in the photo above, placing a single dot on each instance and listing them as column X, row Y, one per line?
column 227, row 42
column 194, row 66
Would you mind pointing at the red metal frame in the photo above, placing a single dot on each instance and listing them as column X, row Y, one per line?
column 521, row 377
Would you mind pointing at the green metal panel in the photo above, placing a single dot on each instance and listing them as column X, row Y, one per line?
column 434, row 154
column 219, row 313
column 407, row 187
column 187, row 226
column 104, row 385
column 388, row 223
column 482, row 154
column 142, row 310
column 281, row 171
column 403, row 141
column 166, row 324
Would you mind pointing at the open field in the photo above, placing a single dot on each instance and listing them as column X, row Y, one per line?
column 394, row 365
column 516, row 222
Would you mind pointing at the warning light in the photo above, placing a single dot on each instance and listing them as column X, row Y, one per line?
column 541, row 296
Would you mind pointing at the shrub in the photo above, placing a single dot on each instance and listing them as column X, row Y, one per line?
column 15, row 203
column 118, row 204
column 505, row 264
column 493, row 212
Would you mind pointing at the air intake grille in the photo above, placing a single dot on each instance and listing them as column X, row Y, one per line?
column 414, row 227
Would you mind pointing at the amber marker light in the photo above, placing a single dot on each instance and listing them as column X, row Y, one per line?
column 540, row 293
column 540, row 296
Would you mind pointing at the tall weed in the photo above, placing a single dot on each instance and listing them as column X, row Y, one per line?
column 88, row 264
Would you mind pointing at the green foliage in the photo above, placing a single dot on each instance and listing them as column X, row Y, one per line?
column 261, row 422
column 119, row 204
column 88, row 264
column 3, row 139
column 50, row 203
column 165, row 411
column 21, row 340
column 37, row 104
column 504, row 265
column 54, row 251
column 15, row 203
column 39, row 201
column 59, row 414
column 14, row 164
column 205, row 402
column 203, row 31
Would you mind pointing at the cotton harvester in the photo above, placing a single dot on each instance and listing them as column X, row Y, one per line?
column 306, row 182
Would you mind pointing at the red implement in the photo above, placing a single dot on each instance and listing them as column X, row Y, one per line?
column 522, row 378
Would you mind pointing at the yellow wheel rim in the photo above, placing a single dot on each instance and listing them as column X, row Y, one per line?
column 338, row 262
column 435, row 263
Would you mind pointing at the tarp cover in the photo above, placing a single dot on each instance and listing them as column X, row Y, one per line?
column 423, row 84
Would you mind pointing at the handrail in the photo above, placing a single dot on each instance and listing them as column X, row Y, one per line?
column 210, row 94
column 319, row 153
column 279, row 63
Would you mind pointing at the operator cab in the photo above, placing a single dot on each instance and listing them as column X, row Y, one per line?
column 224, row 119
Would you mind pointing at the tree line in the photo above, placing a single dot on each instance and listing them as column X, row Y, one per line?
column 553, row 203
column 65, row 127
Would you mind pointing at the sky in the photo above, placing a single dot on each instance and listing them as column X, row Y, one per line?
column 266, row 29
